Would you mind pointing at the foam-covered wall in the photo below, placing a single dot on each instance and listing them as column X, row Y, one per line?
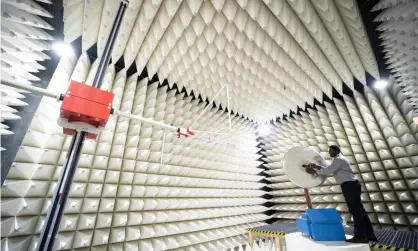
column 137, row 187
column 376, row 132
column 398, row 21
column 24, row 40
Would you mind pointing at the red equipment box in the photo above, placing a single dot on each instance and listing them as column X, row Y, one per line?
column 86, row 104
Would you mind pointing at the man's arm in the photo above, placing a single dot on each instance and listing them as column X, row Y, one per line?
column 334, row 167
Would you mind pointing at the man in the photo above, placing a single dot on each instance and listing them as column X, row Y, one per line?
column 351, row 188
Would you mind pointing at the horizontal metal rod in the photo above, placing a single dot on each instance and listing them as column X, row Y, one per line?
column 145, row 120
column 47, row 93
column 34, row 89
column 209, row 132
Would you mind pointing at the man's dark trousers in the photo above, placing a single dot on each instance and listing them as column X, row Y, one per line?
column 352, row 195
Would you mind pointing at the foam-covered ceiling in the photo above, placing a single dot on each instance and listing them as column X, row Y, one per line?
column 274, row 55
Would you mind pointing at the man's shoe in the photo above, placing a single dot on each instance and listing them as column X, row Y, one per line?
column 357, row 239
column 372, row 238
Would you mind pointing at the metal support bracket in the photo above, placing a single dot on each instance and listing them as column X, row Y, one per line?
column 53, row 220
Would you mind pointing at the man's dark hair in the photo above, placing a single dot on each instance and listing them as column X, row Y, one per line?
column 335, row 148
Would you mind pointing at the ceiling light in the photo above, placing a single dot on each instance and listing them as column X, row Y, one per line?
column 63, row 50
column 263, row 129
column 380, row 84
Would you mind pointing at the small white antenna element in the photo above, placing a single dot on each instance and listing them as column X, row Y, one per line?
column 216, row 131
column 162, row 149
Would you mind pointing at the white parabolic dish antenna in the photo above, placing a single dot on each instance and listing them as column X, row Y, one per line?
column 292, row 165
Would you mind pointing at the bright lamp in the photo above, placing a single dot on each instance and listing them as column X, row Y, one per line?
column 62, row 49
column 380, row 84
column 263, row 129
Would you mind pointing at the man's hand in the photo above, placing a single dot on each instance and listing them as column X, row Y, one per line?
column 316, row 166
column 310, row 170
column 312, row 165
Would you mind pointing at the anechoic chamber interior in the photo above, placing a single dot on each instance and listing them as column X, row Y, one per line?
column 138, row 187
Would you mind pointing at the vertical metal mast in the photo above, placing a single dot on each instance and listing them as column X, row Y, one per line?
column 56, row 211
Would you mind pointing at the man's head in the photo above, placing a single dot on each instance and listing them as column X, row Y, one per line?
column 334, row 150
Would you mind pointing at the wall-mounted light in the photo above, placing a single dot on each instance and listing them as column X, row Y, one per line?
column 380, row 84
column 63, row 49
